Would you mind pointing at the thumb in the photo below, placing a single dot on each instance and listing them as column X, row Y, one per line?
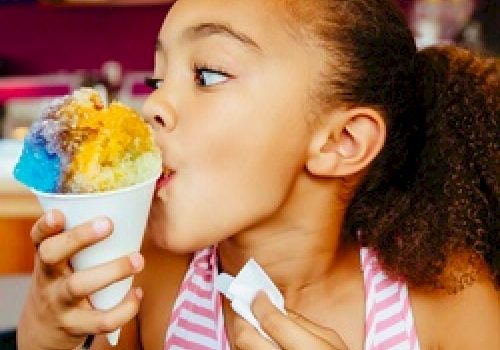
column 327, row 334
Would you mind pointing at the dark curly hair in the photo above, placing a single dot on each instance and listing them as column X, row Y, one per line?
column 429, row 202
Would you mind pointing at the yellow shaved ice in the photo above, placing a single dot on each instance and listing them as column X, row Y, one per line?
column 116, row 147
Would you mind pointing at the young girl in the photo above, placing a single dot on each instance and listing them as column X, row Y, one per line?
column 362, row 176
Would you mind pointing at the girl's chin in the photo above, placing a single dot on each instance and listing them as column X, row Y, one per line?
column 178, row 243
column 180, row 238
column 183, row 240
column 171, row 239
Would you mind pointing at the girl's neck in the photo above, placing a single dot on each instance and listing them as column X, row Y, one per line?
column 299, row 246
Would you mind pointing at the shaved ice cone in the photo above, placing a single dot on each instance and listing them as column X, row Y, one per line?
column 89, row 160
column 128, row 209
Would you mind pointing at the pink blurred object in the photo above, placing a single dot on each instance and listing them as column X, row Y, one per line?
column 10, row 92
column 140, row 89
column 438, row 21
column 37, row 86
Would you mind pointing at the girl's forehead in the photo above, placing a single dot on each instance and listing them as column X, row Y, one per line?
column 263, row 22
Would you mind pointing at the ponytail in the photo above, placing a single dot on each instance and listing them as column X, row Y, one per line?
column 429, row 204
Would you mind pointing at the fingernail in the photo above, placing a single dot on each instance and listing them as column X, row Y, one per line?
column 259, row 295
column 50, row 219
column 139, row 293
column 101, row 227
column 137, row 261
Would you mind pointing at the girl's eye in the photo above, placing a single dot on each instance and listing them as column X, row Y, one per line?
column 153, row 83
column 210, row 77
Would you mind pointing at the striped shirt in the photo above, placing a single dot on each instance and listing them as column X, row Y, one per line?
column 197, row 321
column 389, row 319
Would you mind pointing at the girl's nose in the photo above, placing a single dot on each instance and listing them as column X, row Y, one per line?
column 159, row 112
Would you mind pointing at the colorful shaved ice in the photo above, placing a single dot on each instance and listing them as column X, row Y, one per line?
column 80, row 146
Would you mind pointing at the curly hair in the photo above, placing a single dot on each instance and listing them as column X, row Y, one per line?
column 429, row 202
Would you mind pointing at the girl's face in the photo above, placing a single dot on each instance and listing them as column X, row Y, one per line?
column 231, row 115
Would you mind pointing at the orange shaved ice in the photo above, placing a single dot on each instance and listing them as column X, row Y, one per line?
column 114, row 147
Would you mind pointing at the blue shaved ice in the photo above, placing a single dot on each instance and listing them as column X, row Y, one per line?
column 37, row 168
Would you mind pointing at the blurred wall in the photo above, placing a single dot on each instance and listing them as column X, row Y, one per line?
column 37, row 39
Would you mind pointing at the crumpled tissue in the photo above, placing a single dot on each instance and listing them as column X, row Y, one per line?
column 242, row 289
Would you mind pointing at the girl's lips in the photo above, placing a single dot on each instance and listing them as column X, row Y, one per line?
column 164, row 179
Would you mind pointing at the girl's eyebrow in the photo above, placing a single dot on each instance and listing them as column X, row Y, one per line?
column 204, row 30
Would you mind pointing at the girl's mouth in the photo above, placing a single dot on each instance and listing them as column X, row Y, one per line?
column 164, row 179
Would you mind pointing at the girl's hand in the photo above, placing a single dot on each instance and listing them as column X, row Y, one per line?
column 57, row 314
column 290, row 332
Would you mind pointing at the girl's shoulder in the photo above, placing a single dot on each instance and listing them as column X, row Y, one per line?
column 468, row 319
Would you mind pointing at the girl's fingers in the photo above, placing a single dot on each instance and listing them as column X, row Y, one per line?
column 246, row 337
column 283, row 330
column 48, row 225
column 83, row 283
column 79, row 322
column 59, row 248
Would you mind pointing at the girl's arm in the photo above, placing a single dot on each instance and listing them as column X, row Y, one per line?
column 160, row 281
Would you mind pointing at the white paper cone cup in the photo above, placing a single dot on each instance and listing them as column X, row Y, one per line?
column 128, row 209
column 113, row 337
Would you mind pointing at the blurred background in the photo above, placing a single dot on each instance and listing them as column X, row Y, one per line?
column 50, row 47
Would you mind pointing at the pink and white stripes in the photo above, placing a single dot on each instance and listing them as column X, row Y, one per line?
column 389, row 320
column 197, row 321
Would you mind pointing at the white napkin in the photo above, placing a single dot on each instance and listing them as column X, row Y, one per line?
column 242, row 289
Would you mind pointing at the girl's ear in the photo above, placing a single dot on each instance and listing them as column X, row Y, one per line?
column 347, row 143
